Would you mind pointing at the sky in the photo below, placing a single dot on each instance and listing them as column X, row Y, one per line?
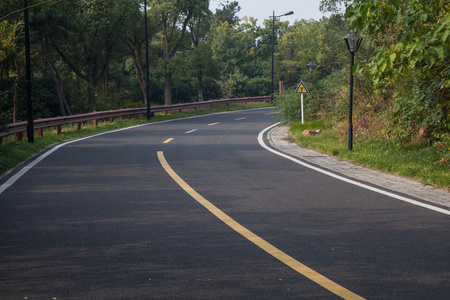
column 262, row 9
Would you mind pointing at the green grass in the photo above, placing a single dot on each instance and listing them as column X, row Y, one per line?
column 430, row 165
column 12, row 153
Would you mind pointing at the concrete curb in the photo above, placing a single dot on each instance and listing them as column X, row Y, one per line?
column 279, row 138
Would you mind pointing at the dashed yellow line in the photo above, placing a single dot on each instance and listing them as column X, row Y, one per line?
column 190, row 131
column 269, row 248
column 168, row 141
column 212, row 124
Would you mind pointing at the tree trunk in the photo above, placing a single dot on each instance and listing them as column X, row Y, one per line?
column 134, row 48
column 105, row 82
column 168, row 92
column 200, row 85
column 141, row 80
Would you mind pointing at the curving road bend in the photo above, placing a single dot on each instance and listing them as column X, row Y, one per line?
column 197, row 209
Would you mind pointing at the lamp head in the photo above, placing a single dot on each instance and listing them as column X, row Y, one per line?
column 311, row 65
column 353, row 41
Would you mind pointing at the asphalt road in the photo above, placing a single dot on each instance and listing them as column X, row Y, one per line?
column 197, row 209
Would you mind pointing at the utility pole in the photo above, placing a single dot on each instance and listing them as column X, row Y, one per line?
column 30, row 125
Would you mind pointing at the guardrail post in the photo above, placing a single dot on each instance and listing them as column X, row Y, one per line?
column 19, row 134
column 210, row 106
column 128, row 117
column 40, row 130
column 78, row 126
column 95, row 122
column 136, row 116
column 59, row 129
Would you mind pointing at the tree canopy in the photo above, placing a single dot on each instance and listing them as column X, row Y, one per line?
column 90, row 55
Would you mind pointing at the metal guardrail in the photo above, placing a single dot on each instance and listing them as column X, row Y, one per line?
column 20, row 127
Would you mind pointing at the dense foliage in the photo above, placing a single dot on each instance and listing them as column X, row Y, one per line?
column 410, row 59
column 90, row 55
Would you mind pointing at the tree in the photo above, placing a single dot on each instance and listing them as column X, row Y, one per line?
column 10, row 58
column 9, row 8
column 228, row 13
column 135, row 45
column 173, row 16
column 234, row 47
column 87, row 35
column 253, row 61
column 334, row 6
column 224, row 43
column 63, row 105
column 199, row 26
column 411, row 34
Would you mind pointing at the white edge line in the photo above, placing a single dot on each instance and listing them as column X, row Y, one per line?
column 25, row 169
column 365, row 186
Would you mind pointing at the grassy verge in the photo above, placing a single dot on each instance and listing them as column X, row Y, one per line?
column 13, row 153
column 429, row 165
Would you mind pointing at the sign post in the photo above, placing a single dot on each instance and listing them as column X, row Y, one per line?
column 301, row 89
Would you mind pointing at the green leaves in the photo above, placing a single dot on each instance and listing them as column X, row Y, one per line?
column 410, row 33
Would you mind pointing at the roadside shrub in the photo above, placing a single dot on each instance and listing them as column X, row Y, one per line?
column 156, row 91
column 259, row 86
column 236, row 86
column 421, row 117
column 289, row 105
column 6, row 101
column 45, row 98
column 183, row 91
column 211, row 89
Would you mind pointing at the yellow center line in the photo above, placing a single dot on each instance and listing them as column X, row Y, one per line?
column 168, row 141
column 240, row 119
column 193, row 130
column 213, row 124
column 269, row 248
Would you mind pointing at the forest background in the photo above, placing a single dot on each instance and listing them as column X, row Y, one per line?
column 90, row 55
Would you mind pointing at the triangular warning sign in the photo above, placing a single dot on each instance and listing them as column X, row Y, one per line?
column 301, row 89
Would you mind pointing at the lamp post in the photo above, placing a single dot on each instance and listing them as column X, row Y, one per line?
column 353, row 41
column 273, row 41
column 147, row 86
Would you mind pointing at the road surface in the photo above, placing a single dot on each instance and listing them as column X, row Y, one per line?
column 197, row 209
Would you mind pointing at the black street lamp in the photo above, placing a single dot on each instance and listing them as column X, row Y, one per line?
column 311, row 66
column 147, row 86
column 353, row 41
column 273, row 40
